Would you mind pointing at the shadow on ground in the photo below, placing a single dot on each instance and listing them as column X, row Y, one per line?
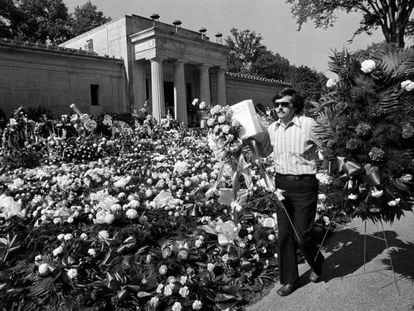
column 347, row 253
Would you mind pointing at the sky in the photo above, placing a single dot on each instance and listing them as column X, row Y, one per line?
column 271, row 19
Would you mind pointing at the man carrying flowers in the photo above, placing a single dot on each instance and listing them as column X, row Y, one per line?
column 294, row 146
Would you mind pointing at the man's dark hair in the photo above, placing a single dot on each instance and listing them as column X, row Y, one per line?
column 297, row 100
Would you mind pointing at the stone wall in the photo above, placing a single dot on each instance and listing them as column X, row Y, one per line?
column 240, row 87
column 33, row 76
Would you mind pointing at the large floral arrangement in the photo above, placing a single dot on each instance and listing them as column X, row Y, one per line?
column 127, row 222
column 368, row 117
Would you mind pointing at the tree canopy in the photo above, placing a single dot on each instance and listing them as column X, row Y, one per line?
column 248, row 55
column 46, row 20
column 87, row 17
column 393, row 17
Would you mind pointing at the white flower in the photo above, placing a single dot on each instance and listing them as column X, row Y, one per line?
column 184, row 291
column 163, row 269
column 225, row 128
column 407, row 85
column 225, row 258
column 57, row 251
column 159, row 289
column 352, row 196
column 154, row 301
column 68, row 236
column 221, row 119
column 92, row 252
column 271, row 237
column 109, row 218
column 198, row 243
column 122, row 182
column 72, row 273
column 321, row 197
column 168, row 289
column 394, row 202
column 84, row 236
column 43, row 269
column 176, row 306
column 195, row 101
column 197, row 305
column 332, row 82
column 210, row 267
column 131, row 213
column 103, row 235
column 367, row 66
column 183, row 279
column 61, row 236
column 202, row 105
column 375, row 193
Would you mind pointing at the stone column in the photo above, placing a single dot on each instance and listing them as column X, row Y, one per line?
column 205, row 84
column 157, row 89
column 180, row 105
column 221, row 87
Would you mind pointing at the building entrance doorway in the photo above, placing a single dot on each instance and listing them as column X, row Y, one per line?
column 169, row 99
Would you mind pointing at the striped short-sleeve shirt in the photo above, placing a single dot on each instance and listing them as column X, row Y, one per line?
column 294, row 146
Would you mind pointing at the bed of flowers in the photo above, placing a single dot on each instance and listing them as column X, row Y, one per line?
column 367, row 118
column 135, row 219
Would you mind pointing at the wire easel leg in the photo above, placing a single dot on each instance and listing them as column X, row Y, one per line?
column 389, row 255
column 365, row 242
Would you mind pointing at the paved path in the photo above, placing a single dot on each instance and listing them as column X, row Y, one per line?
column 348, row 285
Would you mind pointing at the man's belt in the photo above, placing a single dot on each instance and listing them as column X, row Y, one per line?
column 295, row 177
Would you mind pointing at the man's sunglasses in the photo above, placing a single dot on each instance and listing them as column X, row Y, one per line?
column 282, row 104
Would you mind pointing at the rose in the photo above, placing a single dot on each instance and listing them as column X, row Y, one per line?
column 168, row 289
column 407, row 85
column 368, row 66
column 221, row 119
column 184, row 291
column 182, row 254
column 176, row 306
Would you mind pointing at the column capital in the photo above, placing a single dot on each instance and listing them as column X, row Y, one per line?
column 207, row 66
column 157, row 59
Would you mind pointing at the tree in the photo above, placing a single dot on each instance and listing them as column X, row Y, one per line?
column 87, row 17
column 391, row 16
column 245, row 48
column 10, row 17
column 42, row 20
column 306, row 81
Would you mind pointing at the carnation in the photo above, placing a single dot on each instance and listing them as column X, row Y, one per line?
column 376, row 154
column 363, row 129
column 103, row 235
column 407, row 85
column 368, row 66
column 131, row 213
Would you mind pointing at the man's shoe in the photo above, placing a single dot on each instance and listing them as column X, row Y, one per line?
column 286, row 289
column 314, row 277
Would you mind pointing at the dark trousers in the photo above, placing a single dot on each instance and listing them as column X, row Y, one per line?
column 300, row 201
